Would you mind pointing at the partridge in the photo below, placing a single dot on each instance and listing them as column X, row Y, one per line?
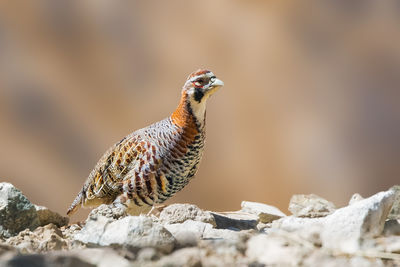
column 152, row 164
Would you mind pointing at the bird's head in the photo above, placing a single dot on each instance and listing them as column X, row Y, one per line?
column 200, row 85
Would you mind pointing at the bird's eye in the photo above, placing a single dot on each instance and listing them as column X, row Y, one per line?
column 199, row 82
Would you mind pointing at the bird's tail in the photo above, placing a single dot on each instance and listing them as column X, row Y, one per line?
column 75, row 204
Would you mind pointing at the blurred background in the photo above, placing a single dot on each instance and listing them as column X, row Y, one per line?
column 311, row 102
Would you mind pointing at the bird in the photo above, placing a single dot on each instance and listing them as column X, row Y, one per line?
column 152, row 164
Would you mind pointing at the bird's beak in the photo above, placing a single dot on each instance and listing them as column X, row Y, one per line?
column 217, row 83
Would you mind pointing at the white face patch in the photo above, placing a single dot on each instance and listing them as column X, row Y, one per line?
column 198, row 89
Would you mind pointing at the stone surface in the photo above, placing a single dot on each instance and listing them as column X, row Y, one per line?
column 392, row 227
column 310, row 206
column 265, row 213
column 345, row 229
column 275, row 250
column 133, row 232
column 47, row 216
column 100, row 257
column 178, row 213
column 291, row 223
column 186, row 257
column 184, row 235
column 189, row 232
column 47, row 260
column 355, row 198
column 108, row 211
column 16, row 211
column 235, row 220
column 42, row 239
column 395, row 212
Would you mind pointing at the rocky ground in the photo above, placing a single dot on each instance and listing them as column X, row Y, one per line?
column 364, row 233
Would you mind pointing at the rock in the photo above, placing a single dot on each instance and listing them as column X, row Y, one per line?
column 321, row 258
column 346, row 228
column 47, row 260
column 395, row 212
column 235, row 220
column 221, row 234
column 275, row 250
column 291, row 223
column 178, row 213
column 47, row 216
column 93, row 230
column 108, row 211
column 100, row 257
column 189, row 232
column 310, row 206
column 265, row 213
column 148, row 254
column 355, row 198
column 186, row 257
column 132, row 232
column 16, row 212
column 392, row 227
column 42, row 239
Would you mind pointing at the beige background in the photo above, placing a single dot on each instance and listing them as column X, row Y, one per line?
column 310, row 103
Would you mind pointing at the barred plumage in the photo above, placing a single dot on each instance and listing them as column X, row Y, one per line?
column 152, row 164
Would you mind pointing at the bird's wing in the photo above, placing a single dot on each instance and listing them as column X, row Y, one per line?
column 106, row 180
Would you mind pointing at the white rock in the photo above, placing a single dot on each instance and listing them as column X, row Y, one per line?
column 265, row 213
column 189, row 232
column 310, row 206
column 221, row 234
column 274, row 250
column 101, row 257
column 355, row 198
column 178, row 213
column 291, row 223
column 345, row 229
column 133, row 232
column 186, row 257
column 93, row 230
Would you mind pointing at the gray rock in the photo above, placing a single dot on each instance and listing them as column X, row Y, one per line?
column 355, row 198
column 392, row 227
column 310, row 206
column 235, row 220
column 133, row 232
column 16, row 212
column 346, row 228
column 47, row 216
column 178, row 213
column 47, row 260
column 265, row 213
column 395, row 212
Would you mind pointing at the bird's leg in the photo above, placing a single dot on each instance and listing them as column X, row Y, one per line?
column 152, row 208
